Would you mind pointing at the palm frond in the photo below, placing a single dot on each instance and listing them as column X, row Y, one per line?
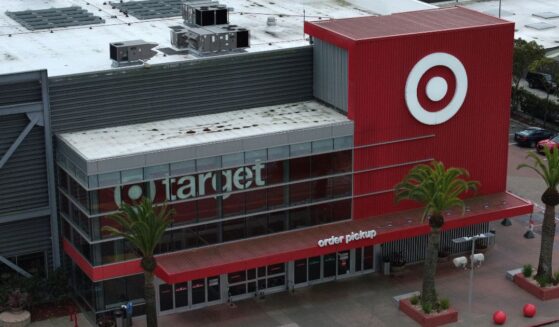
column 435, row 187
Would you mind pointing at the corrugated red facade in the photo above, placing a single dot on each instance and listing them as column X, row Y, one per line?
column 475, row 138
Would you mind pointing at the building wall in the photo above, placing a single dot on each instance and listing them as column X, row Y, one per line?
column 330, row 82
column 136, row 95
column 474, row 137
column 28, row 221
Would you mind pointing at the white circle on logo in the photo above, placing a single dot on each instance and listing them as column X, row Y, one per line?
column 435, row 88
column 135, row 192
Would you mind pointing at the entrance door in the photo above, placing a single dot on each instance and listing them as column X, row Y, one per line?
column 344, row 266
column 165, row 297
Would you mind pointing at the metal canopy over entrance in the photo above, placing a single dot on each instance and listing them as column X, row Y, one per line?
column 191, row 264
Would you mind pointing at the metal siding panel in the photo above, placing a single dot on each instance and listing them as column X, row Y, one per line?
column 330, row 74
column 23, row 178
column 167, row 91
column 29, row 91
column 35, row 233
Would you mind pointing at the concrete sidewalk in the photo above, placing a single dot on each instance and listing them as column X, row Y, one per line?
column 367, row 300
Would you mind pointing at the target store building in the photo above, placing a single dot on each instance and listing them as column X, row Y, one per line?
column 281, row 171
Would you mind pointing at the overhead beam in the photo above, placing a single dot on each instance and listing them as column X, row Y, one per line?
column 23, row 108
column 15, row 267
column 18, row 141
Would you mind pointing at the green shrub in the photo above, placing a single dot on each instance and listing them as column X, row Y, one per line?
column 543, row 281
column 527, row 270
column 414, row 300
column 426, row 307
column 556, row 278
column 444, row 304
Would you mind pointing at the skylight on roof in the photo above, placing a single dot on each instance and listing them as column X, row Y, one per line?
column 150, row 9
column 54, row 18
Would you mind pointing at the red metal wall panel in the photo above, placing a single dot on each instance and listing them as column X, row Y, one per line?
column 388, row 154
column 476, row 138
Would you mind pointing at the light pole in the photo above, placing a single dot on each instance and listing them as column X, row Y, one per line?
column 499, row 8
column 461, row 262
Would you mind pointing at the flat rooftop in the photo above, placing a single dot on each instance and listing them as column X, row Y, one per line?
column 158, row 136
column 424, row 21
column 85, row 48
column 523, row 13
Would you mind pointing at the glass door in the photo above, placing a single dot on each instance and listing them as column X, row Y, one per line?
column 165, row 297
column 344, row 266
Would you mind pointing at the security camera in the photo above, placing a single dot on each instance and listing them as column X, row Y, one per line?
column 478, row 258
column 460, row 262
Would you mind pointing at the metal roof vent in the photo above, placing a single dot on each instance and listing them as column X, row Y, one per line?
column 207, row 29
column 131, row 52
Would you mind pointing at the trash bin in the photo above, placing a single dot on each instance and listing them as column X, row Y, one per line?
column 119, row 318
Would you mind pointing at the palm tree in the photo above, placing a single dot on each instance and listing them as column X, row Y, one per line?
column 143, row 225
column 549, row 172
column 437, row 189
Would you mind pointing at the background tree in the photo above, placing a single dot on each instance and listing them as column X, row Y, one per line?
column 437, row 189
column 525, row 53
column 143, row 225
column 551, row 67
column 549, row 172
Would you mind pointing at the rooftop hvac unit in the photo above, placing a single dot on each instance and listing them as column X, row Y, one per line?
column 211, row 39
column 134, row 51
column 205, row 13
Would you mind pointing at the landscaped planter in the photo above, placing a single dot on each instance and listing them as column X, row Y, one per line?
column 428, row 320
column 542, row 293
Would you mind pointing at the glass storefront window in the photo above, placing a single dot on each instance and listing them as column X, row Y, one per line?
column 184, row 212
column 233, row 204
column 300, row 193
column 330, row 265
column 299, row 168
column 208, row 163
column 106, row 200
column 207, row 209
column 109, row 179
column 132, row 175
column 301, row 149
column 299, row 218
column 277, row 153
column 234, row 230
column 233, row 160
column 345, row 142
column 256, row 225
column 165, row 297
column 255, row 201
column 322, row 146
column 257, row 155
column 198, row 291
column 214, row 291
column 183, row 168
column 181, row 295
column 154, row 172
column 276, row 222
column 63, row 179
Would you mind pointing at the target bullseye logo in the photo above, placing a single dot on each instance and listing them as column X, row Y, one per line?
column 436, row 88
column 134, row 193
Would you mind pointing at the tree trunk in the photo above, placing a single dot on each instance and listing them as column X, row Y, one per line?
column 149, row 295
column 548, row 236
column 428, row 293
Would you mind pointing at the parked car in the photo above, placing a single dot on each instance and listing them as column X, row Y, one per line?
column 550, row 144
column 542, row 81
column 532, row 135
